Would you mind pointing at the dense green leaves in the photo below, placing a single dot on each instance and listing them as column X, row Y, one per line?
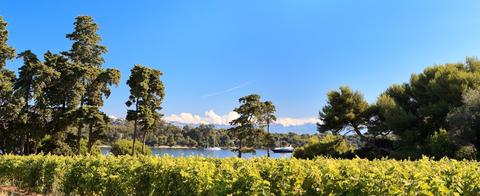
column 49, row 97
column 6, row 52
column 329, row 145
column 344, row 111
column 268, row 117
column 253, row 115
column 424, row 116
column 126, row 175
column 94, row 82
column 146, row 95
column 125, row 147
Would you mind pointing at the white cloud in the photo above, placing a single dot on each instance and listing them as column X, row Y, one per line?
column 287, row 122
column 114, row 117
column 210, row 117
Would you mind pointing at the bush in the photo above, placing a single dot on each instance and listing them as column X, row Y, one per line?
column 124, row 147
column 329, row 145
column 84, row 151
column 468, row 152
column 439, row 145
column 146, row 175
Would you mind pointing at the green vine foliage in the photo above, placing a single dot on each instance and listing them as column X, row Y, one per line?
column 147, row 175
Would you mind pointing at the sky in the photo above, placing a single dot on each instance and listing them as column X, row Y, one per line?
column 291, row 52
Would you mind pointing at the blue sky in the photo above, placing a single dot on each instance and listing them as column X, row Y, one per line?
column 291, row 52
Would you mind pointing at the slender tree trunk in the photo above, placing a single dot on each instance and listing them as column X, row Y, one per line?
column 79, row 130
column 27, row 144
column 22, row 144
column 135, row 127
column 35, row 148
column 268, row 139
column 240, row 148
column 90, row 139
column 24, row 138
column 144, row 139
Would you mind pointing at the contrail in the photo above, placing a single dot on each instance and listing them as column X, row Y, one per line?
column 227, row 90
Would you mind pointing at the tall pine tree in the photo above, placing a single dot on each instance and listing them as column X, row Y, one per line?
column 8, row 104
column 32, row 81
column 146, row 94
column 86, row 54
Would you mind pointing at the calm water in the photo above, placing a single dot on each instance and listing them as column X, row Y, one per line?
column 175, row 152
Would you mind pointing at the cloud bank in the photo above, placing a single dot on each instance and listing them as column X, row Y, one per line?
column 210, row 117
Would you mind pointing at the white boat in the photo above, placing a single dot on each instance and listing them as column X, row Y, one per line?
column 214, row 144
column 213, row 148
column 286, row 149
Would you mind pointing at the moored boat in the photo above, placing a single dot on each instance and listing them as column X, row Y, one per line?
column 213, row 148
column 286, row 149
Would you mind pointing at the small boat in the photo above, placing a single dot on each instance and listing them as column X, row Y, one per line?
column 214, row 144
column 213, row 148
column 286, row 149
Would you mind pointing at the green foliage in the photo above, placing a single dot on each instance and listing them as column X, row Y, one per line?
column 125, row 175
column 410, row 115
column 94, row 151
column 246, row 126
column 439, row 145
column 93, row 82
column 345, row 111
column 329, row 145
column 422, row 105
column 268, row 117
column 468, row 152
column 6, row 52
column 146, row 94
column 34, row 77
column 464, row 121
column 124, row 147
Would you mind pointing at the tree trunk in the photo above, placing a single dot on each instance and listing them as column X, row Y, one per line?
column 268, row 139
column 90, row 139
column 24, row 139
column 365, row 139
column 135, row 127
column 79, row 130
column 22, row 145
column 144, row 138
column 240, row 148
column 134, row 137
column 27, row 144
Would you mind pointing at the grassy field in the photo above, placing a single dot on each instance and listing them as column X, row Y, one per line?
column 260, row 176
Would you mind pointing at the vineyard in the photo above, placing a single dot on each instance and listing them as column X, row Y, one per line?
column 126, row 175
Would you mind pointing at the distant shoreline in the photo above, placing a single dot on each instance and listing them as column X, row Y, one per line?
column 165, row 147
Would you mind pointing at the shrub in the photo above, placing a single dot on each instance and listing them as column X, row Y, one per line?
column 439, row 145
column 124, row 147
column 84, row 151
column 468, row 152
column 329, row 145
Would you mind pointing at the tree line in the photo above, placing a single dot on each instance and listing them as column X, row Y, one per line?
column 51, row 97
column 54, row 105
column 436, row 113
column 200, row 136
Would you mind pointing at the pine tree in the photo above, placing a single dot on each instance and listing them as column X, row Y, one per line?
column 268, row 117
column 9, row 106
column 94, row 82
column 33, row 79
column 246, row 125
column 146, row 92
